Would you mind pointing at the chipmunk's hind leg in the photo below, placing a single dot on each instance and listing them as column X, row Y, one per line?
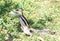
column 26, row 30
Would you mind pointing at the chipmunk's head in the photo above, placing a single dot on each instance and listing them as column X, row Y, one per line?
column 17, row 12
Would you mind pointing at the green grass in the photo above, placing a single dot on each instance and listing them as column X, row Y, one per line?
column 40, row 15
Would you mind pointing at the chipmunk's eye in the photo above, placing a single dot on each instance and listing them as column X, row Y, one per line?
column 17, row 9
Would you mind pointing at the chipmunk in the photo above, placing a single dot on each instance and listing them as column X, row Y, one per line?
column 24, row 25
column 23, row 21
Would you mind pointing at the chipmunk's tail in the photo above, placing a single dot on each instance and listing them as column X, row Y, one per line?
column 44, row 31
